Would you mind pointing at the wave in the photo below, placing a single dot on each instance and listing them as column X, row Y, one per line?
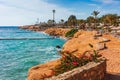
column 17, row 56
column 47, row 49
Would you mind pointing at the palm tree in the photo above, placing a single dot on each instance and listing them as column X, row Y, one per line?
column 62, row 20
column 53, row 15
column 72, row 21
column 80, row 21
column 95, row 13
column 50, row 22
column 109, row 19
column 90, row 20
column 118, row 20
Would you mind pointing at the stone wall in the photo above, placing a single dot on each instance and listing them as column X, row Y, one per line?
column 91, row 71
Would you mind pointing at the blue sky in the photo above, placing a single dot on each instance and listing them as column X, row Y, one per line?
column 24, row 12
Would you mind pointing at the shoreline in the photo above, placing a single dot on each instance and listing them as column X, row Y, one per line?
column 61, row 37
column 43, row 31
column 79, row 44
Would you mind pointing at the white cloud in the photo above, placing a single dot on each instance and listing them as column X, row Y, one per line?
column 110, row 11
column 21, row 12
column 97, row 7
column 108, row 1
column 107, row 6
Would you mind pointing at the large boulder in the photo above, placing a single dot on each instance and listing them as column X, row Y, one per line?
column 42, row 71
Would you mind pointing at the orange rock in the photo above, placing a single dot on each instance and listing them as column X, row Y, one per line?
column 56, row 31
column 42, row 71
column 77, row 46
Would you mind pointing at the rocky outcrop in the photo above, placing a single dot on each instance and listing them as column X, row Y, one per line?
column 42, row 71
column 76, row 45
column 80, row 43
column 56, row 31
column 33, row 28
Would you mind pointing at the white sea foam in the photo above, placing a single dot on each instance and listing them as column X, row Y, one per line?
column 47, row 49
column 17, row 56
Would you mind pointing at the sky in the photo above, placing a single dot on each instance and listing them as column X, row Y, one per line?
column 26, row 12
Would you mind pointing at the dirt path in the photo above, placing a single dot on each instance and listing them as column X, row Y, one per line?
column 113, row 63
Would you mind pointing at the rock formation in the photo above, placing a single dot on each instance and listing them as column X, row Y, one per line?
column 76, row 45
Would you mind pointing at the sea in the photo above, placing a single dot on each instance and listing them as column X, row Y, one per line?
column 17, row 55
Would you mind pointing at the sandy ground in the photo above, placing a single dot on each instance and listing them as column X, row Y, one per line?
column 113, row 63
column 112, row 53
column 80, row 44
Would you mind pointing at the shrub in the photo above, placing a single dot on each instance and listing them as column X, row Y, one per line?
column 69, row 61
column 71, row 33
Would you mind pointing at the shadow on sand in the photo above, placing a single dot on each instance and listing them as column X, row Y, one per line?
column 112, row 76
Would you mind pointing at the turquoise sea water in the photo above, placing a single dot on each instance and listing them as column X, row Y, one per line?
column 17, row 56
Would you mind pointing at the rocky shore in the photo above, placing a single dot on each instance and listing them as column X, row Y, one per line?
column 33, row 28
column 56, row 31
column 107, row 45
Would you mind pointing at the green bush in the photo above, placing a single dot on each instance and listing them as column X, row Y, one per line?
column 69, row 61
column 71, row 33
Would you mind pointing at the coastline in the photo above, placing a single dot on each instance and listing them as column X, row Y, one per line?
column 79, row 44
column 48, row 31
column 61, row 37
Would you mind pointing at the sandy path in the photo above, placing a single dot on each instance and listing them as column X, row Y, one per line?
column 113, row 63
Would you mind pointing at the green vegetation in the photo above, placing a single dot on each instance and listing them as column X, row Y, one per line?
column 72, row 20
column 95, row 13
column 71, row 33
column 91, row 22
column 90, row 19
column 109, row 19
